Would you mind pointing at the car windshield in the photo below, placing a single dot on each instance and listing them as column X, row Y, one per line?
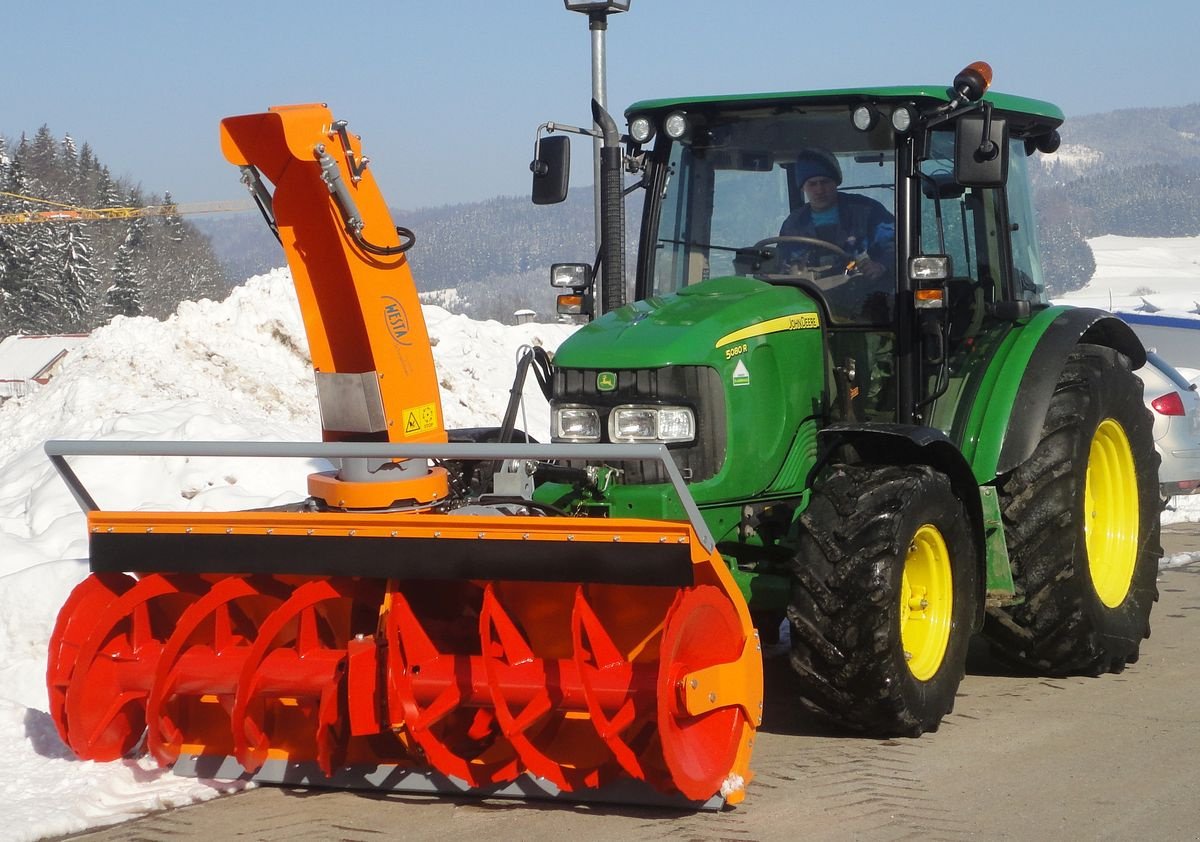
column 735, row 200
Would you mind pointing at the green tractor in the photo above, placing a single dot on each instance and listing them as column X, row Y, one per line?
column 894, row 438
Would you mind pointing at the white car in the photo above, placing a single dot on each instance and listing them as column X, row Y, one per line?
column 1175, row 405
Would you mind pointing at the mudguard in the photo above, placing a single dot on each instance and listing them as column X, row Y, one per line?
column 1006, row 421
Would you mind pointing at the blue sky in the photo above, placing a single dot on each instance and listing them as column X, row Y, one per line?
column 447, row 93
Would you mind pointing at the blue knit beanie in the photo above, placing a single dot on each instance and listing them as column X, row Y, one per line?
column 814, row 162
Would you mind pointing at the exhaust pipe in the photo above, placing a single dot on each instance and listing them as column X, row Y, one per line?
column 612, row 212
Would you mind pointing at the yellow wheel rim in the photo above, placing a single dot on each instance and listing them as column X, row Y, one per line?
column 1110, row 524
column 926, row 602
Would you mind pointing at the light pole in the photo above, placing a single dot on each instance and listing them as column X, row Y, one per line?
column 597, row 12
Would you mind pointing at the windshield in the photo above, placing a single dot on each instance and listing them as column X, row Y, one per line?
column 785, row 194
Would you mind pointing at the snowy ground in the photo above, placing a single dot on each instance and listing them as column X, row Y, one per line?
column 237, row 370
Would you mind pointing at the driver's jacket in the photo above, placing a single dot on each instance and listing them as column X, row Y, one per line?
column 863, row 225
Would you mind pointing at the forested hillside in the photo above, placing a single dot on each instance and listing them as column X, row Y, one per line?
column 1134, row 172
column 62, row 272
column 485, row 259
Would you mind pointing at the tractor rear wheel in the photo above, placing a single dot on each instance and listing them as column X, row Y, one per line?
column 884, row 598
column 1081, row 516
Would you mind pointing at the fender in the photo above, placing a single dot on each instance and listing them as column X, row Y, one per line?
column 1006, row 421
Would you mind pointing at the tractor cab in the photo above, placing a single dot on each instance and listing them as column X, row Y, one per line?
column 902, row 236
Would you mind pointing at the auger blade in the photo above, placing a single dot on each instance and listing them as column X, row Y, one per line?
column 494, row 685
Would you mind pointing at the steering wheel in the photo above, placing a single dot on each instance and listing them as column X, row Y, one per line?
column 808, row 241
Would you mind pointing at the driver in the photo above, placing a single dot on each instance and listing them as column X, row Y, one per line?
column 857, row 285
column 860, row 226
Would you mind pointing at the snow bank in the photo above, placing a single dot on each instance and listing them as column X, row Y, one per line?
column 1131, row 272
column 236, row 370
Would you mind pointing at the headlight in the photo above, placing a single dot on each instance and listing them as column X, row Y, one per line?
column 676, row 124
column 641, row 129
column 903, row 118
column 576, row 423
column 865, row 117
column 676, row 423
column 651, row 423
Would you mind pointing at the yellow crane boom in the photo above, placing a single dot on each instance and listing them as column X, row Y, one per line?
column 62, row 212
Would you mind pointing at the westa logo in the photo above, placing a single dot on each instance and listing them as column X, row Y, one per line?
column 397, row 320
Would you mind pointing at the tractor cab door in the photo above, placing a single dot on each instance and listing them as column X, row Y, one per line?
column 989, row 235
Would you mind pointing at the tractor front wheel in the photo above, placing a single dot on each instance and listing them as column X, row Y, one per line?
column 1081, row 519
column 884, row 598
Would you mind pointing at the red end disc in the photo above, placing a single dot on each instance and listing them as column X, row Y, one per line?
column 702, row 630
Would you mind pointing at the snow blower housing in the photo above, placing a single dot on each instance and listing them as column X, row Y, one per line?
column 835, row 421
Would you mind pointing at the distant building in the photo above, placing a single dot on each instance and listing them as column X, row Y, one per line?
column 524, row 316
column 27, row 362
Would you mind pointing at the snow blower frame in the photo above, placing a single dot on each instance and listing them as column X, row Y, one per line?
column 391, row 630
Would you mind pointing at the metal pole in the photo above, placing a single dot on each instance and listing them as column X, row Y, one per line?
column 598, row 25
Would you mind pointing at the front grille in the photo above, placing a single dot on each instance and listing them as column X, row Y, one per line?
column 695, row 386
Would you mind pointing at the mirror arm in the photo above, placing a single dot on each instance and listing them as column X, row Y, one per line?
column 987, row 149
column 946, row 113
column 551, row 127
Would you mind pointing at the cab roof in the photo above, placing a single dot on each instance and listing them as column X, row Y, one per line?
column 1038, row 115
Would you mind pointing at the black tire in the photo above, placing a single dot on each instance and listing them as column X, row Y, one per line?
column 847, row 620
column 1064, row 626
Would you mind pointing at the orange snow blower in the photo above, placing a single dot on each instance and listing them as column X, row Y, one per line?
column 402, row 629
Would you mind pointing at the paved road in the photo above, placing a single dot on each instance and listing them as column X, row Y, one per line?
column 1020, row 758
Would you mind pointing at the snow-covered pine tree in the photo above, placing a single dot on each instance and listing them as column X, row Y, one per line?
column 108, row 194
column 7, row 205
column 39, row 296
column 78, row 279
column 70, row 175
column 124, row 295
column 172, row 221
column 15, row 249
column 62, row 274
column 41, row 166
column 179, row 262
column 85, row 183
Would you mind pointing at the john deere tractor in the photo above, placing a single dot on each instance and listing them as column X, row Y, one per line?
column 894, row 438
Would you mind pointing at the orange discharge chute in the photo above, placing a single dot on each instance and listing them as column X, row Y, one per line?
column 386, row 634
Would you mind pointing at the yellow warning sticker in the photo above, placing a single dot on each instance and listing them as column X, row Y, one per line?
column 420, row 419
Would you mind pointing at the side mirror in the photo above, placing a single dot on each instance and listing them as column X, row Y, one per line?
column 1011, row 311
column 551, row 170
column 979, row 160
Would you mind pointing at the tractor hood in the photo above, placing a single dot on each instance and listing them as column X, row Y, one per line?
column 691, row 327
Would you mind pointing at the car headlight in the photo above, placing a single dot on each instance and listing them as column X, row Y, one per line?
column 651, row 423
column 575, row 423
